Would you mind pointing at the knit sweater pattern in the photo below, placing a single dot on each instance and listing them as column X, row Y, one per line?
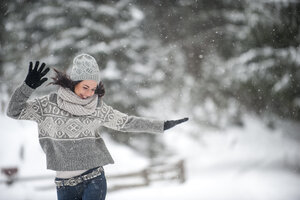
column 73, row 142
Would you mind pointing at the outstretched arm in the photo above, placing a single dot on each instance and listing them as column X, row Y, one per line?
column 117, row 120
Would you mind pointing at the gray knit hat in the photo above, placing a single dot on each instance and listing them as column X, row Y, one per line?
column 85, row 67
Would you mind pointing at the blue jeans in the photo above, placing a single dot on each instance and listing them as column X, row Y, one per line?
column 93, row 189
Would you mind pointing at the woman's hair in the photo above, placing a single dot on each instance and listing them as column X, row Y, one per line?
column 63, row 80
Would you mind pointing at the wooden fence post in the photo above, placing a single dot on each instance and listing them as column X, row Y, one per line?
column 146, row 176
column 181, row 171
column 10, row 173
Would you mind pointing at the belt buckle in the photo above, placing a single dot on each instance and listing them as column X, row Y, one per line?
column 72, row 182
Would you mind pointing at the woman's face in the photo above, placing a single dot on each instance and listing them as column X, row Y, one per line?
column 86, row 88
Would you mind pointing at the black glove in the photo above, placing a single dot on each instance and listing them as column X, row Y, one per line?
column 34, row 76
column 170, row 123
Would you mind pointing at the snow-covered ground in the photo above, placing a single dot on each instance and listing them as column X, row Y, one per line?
column 249, row 163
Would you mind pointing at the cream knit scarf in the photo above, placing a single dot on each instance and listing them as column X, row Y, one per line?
column 71, row 102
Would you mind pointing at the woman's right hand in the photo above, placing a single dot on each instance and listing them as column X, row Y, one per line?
column 35, row 76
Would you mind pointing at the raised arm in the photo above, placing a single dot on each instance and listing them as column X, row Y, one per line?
column 34, row 79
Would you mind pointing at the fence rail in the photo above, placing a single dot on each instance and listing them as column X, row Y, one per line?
column 159, row 172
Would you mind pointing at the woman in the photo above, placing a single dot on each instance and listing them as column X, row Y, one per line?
column 68, row 125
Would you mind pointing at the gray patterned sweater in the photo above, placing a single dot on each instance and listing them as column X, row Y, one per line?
column 73, row 142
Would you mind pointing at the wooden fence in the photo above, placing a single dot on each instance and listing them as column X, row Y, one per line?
column 159, row 172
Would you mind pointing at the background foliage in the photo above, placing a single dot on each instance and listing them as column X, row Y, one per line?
column 211, row 60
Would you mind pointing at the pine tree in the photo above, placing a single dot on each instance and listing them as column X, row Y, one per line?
column 264, row 68
column 196, row 29
column 237, row 55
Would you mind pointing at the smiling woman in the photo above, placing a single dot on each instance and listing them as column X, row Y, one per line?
column 86, row 88
column 82, row 81
column 70, row 136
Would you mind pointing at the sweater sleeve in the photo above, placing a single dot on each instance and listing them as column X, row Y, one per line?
column 117, row 120
column 20, row 108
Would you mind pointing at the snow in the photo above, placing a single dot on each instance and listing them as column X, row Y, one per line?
column 107, row 10
column 252, row 162
column 97, row 26
column 137, row 16
column 62, row 43
column 100, row 47
column 283, row 83
column 111, row 71
column 75, row 32
column 32, row 16
column 51, row 23
column 220, row 186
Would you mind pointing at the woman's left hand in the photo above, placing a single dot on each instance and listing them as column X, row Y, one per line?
column 171, row 123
